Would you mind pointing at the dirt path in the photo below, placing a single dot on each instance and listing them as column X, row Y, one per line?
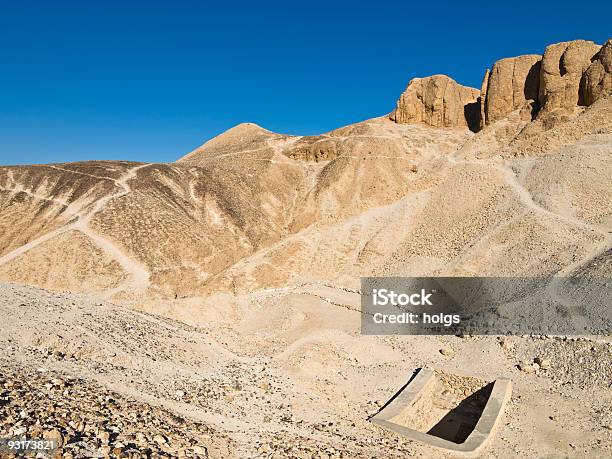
column 34, row 243
column 530, row 203
column 138, row 275
column 528, row 200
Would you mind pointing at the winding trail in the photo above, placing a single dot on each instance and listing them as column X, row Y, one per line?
column 34, row 243
column 139, row 276
column 526, row 198
column 19, row 190
column 594, row 252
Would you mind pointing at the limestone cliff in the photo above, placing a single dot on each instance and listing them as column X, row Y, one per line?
column 549, row 87
column 512, row 83
column 437, row 101
column 597, row 79
column 563, row 65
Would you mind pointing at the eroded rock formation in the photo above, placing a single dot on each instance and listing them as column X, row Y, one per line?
column 597, row 79
column 437, row 101
column 512, row 83
column 563, row 65
column 549, row 87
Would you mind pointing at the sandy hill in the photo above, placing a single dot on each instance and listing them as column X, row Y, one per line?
column 415, row 191
column 251, row 247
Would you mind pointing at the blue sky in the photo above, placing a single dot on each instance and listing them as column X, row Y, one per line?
column 149, row 81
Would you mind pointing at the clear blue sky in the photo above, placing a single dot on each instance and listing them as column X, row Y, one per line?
column 149, row 81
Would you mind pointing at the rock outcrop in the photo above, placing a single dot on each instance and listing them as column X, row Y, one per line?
column 548, row 88
column 563, row 66
column 597, row 79
column 438, row 101
column 512, row 83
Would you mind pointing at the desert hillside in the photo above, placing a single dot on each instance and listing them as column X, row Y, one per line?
column 414, row 191
column 223, row 288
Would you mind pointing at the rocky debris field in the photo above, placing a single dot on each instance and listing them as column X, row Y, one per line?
column 87, row 420
column 121, row 383
column 108, row 381
column 567, row 361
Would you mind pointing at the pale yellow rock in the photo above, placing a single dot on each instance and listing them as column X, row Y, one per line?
column 563, row 65
column 438, row 101
column 510, row 85
column 597, row 79
column 484, row 87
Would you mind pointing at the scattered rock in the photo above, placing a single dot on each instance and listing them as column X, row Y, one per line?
column 160, row 439
column 505, row 343
column 526, row 367
column 446, row 351
column 91, row 418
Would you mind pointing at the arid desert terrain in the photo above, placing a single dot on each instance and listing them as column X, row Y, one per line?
column 210, row 307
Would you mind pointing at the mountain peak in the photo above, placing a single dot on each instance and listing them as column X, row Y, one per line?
column 245, row 136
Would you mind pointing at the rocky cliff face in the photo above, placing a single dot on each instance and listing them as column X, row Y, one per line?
column 597, row 79
column 512, row 83
column 437, row 101
column 549, row 88
column 563, row 65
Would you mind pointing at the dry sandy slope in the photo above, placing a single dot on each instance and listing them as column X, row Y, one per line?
column 252, row 209
column 173, row 228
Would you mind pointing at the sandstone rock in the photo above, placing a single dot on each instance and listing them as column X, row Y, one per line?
column 563, row 65
column 536, row 366
column 314, row 148
column 543, row 362
column 264, row 385
column 526, row 367
column 447, row 351
column 597, row 79
column 510, row 85
column 159, row 439
column 103, row 436
column 505, row 343
column 484, row 87
column 438, row 101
